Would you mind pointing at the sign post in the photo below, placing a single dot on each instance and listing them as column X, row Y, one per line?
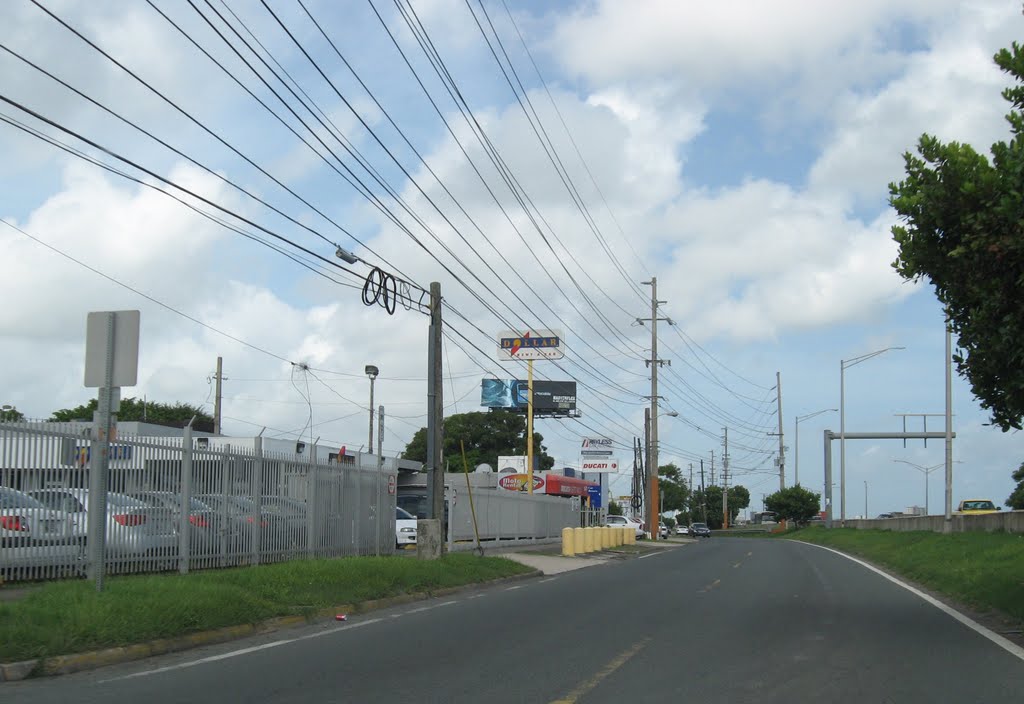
column 530, row 345
column 111, row 361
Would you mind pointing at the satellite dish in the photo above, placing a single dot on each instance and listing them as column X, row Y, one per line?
column 508, row 470
column 484, row 468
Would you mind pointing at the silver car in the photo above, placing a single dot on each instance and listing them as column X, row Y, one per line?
column 32, row 535
column 133, row 527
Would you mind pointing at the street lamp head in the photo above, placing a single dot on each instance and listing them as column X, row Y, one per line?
column 346, row 256
column 371, row 371
column 672, row 414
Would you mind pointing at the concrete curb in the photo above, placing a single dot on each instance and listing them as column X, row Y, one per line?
column 77, row 662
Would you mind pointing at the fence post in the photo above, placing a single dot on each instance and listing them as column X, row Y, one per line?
column 256, row 486
column 185, row 526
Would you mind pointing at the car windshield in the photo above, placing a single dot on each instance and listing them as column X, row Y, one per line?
column 402, row 514
column 979, row 505
column 11, row 498
column 699, row 525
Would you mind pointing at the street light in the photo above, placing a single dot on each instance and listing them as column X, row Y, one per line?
column 926, row 471
column 796, row 441
column 845, row 364
column 865, row 499
column 372, row 372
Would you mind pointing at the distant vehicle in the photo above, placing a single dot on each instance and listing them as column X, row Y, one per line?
column 886, row 515
column 700, row 530
column 977, row 507
column 764, row 517
column 405, row 528
column 663, row 531
column 204, row 533
column 682, row 530
column 625, row 522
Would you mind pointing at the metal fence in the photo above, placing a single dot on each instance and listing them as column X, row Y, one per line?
column 178, row 503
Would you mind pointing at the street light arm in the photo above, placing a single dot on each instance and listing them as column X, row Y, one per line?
column 847, row 363
column 816, row 413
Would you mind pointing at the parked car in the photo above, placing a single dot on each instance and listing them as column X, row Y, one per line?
column 204, row 533
column 405, row 528
column 625, row 522
column 663, row 531
column 280, row 521
column 682, row 530
column 134, row 528
column 977, row 507
column 32, row 535
column 700, row 530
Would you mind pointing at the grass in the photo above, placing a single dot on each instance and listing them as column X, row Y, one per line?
column 983, row 570
column 61, row 618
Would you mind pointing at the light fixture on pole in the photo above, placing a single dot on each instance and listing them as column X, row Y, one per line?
column 796, row 441
column 372, row 372
column 845, row 364
column 925, row 471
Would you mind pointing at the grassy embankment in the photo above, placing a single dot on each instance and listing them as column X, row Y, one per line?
column 67, row 617
column 983, row 570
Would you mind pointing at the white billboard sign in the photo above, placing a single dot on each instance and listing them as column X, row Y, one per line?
column 596, row 447
column 512, row 464
column 603, row 465
column 530, row 344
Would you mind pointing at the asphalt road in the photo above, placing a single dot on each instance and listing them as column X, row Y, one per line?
column 735, row 620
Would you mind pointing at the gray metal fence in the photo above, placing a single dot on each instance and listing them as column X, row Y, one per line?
column 178, row 503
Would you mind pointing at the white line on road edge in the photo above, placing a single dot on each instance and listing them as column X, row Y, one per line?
column 512, row 589
column 650, row 554
column 1007, row 645
column 549, row 579
column 243, row 651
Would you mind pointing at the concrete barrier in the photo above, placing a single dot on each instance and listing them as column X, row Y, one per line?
column 568, row 548
column 1008, row 521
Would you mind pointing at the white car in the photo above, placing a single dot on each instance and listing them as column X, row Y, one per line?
column 682, row 530
column 405, row 528
column 32, row 535
column 625, row 522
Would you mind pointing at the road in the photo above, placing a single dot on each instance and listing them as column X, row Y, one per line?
column 740, row 620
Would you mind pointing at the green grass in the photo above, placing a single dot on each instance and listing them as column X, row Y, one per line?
column 61, row 618
column 983, row 570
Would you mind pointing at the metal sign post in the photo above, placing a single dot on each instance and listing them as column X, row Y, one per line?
column 111, row 361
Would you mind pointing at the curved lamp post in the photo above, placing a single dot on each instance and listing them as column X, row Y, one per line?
column 845, row 364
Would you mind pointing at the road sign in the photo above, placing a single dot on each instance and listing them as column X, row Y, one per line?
column 530, row 344
column 391, row 484
column 123, row 346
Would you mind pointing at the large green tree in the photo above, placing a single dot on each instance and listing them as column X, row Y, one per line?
column 486, row 436
column 963, row 230
column 794, row 503
column 708, row 503
column 135, row 409
column 675, row 495
column 1016, row 499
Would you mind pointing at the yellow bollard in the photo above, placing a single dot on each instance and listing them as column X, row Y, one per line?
column 606, row 539
column 623, row 538
column 577, row 541
column 588, row 539
column 567, row 547
column 630, row 536
column 616, row 537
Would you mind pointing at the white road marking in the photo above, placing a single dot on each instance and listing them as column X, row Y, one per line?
column 549, row 579
column 1007, row 645
column 644, row 557
column 243, row 651
column 512, row 589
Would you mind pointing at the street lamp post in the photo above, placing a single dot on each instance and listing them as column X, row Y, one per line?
column 845, row 364
column 865, row 499
column 925, row 471
column 796, row 441
column 372, row 372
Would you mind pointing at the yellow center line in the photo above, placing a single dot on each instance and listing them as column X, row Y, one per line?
column 587, row 685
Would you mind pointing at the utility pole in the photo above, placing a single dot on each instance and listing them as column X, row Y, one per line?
column 782, row 449
column 435, row 412
column 216, row 400
column 648, row 506
column 712, row 468
column 654, row 363
column 948, row 525
column 725, row 482
column 703, row 495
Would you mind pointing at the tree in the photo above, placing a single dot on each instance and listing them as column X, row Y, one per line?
column 1016, row 500
column 793, row 503
column 675, row 495
column 132, row 409
column 614, row 509
column 711, row 500
column 964, row 230
column 10, row 414
column 486, row 435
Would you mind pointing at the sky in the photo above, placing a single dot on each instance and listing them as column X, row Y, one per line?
column 203, row 162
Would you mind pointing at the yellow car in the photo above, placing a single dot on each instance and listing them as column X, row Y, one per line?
column 976, row 507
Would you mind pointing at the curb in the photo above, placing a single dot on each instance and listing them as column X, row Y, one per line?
column 77, row 662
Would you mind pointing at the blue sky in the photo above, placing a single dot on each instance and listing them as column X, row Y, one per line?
column 740, row 153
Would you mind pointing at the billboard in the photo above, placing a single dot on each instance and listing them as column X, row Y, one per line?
column 551, row 397
column 530, row 344
column 596, row 447
column 599, row 464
